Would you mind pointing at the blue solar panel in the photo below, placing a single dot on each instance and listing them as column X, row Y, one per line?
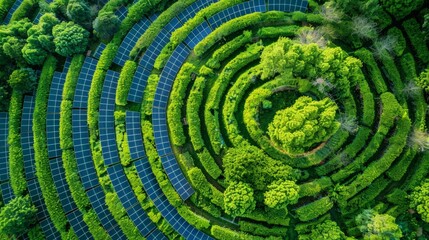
column 193, row 9
column 27, row 139
column 53, row 135
column 121, row 13
column 198, row 34
column 236, row 11
column 141, row 220
column 156, row 235
column 106, row 123
column 84, row 83
column 4, row 149
column 82, row 150
column 134, row 133
column 37, row 198
column 130, row 41
column 12, row 10
column 6, row 192
column 61, row 185
column 138, row 85
column 37, row 18
column 66, row 65
column 96, row 197
column 49, row 230
column 287, row 6
column 99, row 50
column 75, row 219
column 170, row 213
column 122, row 186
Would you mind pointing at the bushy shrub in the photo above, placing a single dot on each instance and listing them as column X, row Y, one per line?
column 314, row 209
column 239, row 199
column 23, row 80
column 17, row 216
column 70, row 38
column 106, row 25
column 124, row 82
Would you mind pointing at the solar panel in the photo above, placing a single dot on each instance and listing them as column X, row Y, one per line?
column 193, row 9
column 82, row 150
column 96, row 197
column 84, row 83
column 27, row 139
column 27, row 115
column 156, row 235
column 61, row 185
column 170, row 214
column 177, row 179
column 130, row 40
column 198, row 34
column 53, row 135
column 12, row 10
column 49, row 229
column 141, row 220
column 134, row 133
column 287, row 6
column 121, row 13
column 99, row 50
column 6, row 192
column 122, row 186
column 106, row 123
column 37, row 18
column 4, row 151
column 66, row 66
column 37, row 198
column 75, row 219
column 236, row 11
column 138, row 85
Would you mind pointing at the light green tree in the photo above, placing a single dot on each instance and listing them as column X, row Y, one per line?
column 419, row 200
column 306, row 123
column 106, row 25
column 327, row 230
column 70, row 38
column 375, row 226
column 23, row 80
column 17, row 216
column 281, row 193
column 239, row 199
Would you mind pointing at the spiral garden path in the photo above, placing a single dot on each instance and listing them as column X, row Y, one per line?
column 128, row 142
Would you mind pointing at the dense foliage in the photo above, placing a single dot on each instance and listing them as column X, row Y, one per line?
column 378, row 226
column 17, row 216
column 69, row 38
column 306, row 123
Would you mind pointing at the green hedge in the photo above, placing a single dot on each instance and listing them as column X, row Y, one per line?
column 26, row 9
column 193, row 106
column 192, row 218
column 314, row 209
column 417, row 38
column 400, row 168
column 314, row 187
column 372, row 67
column 209, row 164
column 43, row 170
column 227, row 49
column 392, row 73
column 124, row 82
column 225, row 233
column 199, row 182
column 177, row 98
column 368, row 113
column 259, row 229
column 275, row 32
column 401, row 44
column 16, row 160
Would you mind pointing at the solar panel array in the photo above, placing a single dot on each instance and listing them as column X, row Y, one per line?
column 27, row 139
column 236, row 11
column 84, row 83
column 75, row 219
column 138, row 85
column 15, row 6
column 134, row 133
column 106, row 123
column 96, row 197
column 67, row 64
column 287, row 6
column 168, row 211
column 82, row 150
column 123, row 53
column 159, row 122
column 198, row 34
column 6, row 192
column 60, row 182
column 53, row 116
column 190, row 11
column 129, row 201
column 121, row 13
column 49, row 229
column 4, row 149
column 37, row 198
column 99, row 50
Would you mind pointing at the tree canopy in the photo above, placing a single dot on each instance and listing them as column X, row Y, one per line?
column 70, row 38
column 281, row 193
column 23, row 80
column 17, row 216
column 378, row 226
column 106, row 25
column 304, row 124
column 239, row 199
column 419, row 200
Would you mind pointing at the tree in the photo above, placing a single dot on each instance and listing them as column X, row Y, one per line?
column 17, row 216
column 239, row 199
column 378, row 226
column 23, row 80
column 106, row 25
column 419, row 200
column 423, row 80
column 306, row 123
column 327, row 230
column 79, row 12
column 281, row 193
column 402, row 8
column 70, row 38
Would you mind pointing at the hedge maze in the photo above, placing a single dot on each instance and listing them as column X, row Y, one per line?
column 223, row 119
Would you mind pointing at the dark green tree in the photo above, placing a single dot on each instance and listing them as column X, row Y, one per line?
column 17, row 216
column 402, row 8
column 306, row 123
column 70, row 38
column 79, row 12
column 23, row 80
column 106, row 25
